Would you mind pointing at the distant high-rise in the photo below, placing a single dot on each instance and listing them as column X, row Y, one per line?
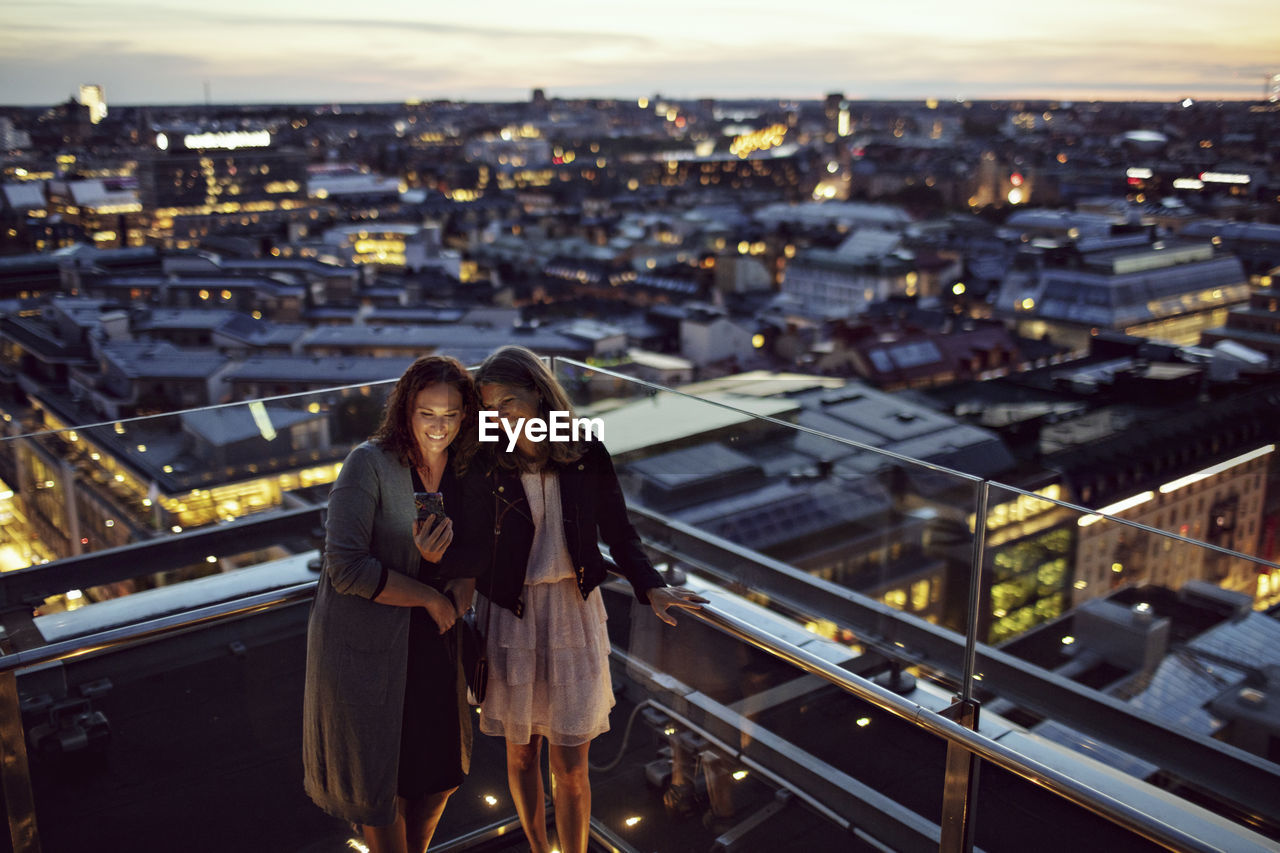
column 1273, row 88
column 196, row 183
column 93, row 97
column 836, row 109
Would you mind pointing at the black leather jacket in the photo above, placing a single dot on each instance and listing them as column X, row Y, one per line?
column 593, row 508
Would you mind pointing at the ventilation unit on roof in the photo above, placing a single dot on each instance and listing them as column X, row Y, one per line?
column 842, row 395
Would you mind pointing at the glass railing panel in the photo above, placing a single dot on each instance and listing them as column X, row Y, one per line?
column 734, row 738
column 70, row 491
column 206, row 728
column 710, row 708
column 1153, row 648
column 790, row 491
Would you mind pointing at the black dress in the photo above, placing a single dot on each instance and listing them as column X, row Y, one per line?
column 430, row 729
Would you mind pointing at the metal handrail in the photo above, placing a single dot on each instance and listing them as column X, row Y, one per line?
column 1067, row 787
column 1241, row 777
column 155, row 629
column 1059, row 783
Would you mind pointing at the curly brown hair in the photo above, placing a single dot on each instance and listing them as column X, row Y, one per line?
column 394, row 433
column 519, row 367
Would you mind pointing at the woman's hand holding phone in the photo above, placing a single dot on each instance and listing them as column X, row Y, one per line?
column 432, row 535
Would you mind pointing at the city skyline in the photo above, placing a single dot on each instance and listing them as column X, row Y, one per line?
column 287, row 52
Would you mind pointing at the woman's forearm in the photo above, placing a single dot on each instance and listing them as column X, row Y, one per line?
column 403, row 591
column 461, row 590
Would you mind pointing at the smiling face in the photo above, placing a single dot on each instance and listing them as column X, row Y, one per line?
column 512, row 403
column 435, row 418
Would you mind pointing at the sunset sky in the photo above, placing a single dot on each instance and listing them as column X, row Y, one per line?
column 165, row 51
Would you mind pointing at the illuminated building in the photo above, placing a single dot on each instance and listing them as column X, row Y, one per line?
column 866, row 268
column 511, row 149
column 93, row 97
column 1029, row 578
column 778, row 169
column 836, row 110
column 1256, row 244
column 350, row 186
column 21, row 205
column 107, row 211
column 1169, row 292
column 93, row 488
column 1158, row 442
column 195, row 184
column 1255, row 326
column 321, row 283
column 1219, row 503
column 386, row 244
column 42, row 348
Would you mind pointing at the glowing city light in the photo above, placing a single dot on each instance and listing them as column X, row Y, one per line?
column 759, row 140
column 1205, row 473
column 1117, row 507
column 1223, row 178
column 228, row 140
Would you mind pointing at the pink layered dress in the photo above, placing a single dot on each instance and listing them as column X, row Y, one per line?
column 548, row 671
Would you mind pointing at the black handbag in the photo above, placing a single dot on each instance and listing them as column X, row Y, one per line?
column 471, row 636
column 475, row 660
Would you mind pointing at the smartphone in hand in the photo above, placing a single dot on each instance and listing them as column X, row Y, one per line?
column 428, row 504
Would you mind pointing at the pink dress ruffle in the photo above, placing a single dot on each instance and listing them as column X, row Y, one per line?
column 549, row 672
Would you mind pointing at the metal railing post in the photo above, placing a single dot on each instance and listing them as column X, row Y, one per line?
column 959, row 784
column 960, row 779
column 15, row 772
column 976, row 562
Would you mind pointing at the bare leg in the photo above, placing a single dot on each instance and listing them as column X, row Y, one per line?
column 421, row 816
column 524, row 778
column 571, row 792
column 388, row 838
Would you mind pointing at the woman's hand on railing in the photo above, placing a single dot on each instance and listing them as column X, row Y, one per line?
column 662, row 598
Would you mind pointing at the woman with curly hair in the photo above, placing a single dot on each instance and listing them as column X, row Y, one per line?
column 386, row 730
